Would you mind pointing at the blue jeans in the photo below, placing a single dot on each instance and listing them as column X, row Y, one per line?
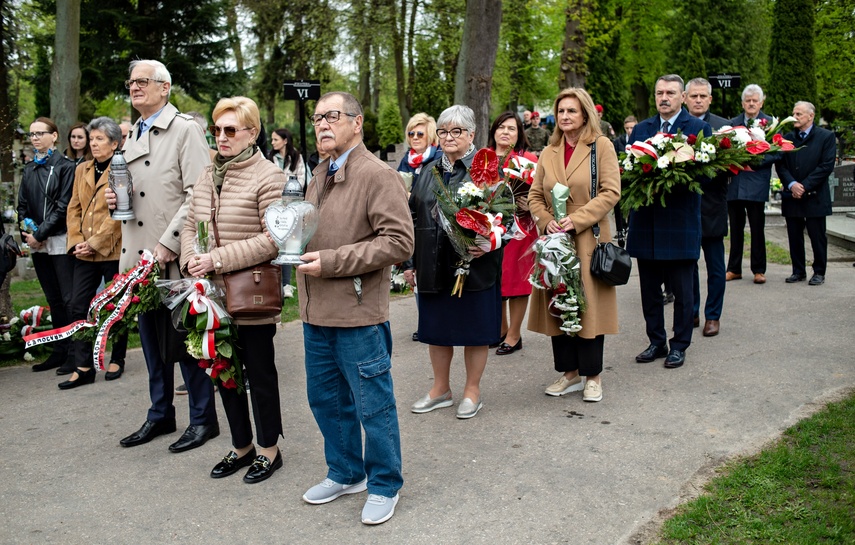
column 349, row 384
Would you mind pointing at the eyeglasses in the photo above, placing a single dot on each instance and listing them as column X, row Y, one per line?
column 455, row 132
column 230, row 131
column 37, row 134
column 413, row 134
column 331, row 116
column 142, row 83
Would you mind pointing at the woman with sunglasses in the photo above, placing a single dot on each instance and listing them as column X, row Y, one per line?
column 43, row 197
column 423, row 143
column 508, row 139
column 241, row 183
column 473, row 320
column 95, row 241
column 78, row 144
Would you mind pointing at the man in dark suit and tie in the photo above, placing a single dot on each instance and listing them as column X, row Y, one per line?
column 698, row 98
column 666, row 241
column 806, row 196
column 747, row 195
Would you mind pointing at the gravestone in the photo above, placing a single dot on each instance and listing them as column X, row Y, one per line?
column 842, row 185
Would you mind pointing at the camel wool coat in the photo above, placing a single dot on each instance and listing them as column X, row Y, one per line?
column 600, row 317
column 88, row 218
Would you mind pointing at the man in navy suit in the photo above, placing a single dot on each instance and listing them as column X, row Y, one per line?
column 698, row 98
column 806, row 196
column 666, row 241
column 747, row 195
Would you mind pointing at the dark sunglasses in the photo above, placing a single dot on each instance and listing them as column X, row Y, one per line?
column 420, row 134
column 230, row 131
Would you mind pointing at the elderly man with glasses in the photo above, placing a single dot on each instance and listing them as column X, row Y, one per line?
column 364, row 229
column 166, row 152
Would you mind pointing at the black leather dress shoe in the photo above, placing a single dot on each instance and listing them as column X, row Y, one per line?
column 651, row 353
column 416, row 336
column 54, row 360
column 793, row 278
column 499, row 343
column 113, row 375
column 83, row 377
column 816, row 280
column 66, row 369
column 231, row 463
column 505, row 349
column 676, row 358
column 262, row 468
column 195, row 436
column 147, row 432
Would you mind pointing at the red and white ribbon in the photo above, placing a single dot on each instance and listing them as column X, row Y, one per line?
column 200, row 304
column 493, row 240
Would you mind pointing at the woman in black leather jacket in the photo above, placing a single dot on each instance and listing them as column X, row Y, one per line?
column 46, row 188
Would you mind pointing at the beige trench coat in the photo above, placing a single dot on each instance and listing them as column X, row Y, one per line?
column 165, row 163
column 601, row 316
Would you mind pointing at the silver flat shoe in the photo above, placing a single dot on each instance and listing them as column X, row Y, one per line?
column 426, row 404
column 468, row 408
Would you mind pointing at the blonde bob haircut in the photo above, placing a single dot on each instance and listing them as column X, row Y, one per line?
column 591, row 130
column 430, row 127
column 244, row 108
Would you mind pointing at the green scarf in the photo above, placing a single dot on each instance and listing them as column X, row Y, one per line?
column 222, row 164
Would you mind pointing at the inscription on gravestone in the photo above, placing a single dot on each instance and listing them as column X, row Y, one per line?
column 842, row 185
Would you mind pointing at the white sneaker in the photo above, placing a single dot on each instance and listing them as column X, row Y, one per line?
column 564, row 386
column 287, row 291
column 378, row 509
column 328, row 490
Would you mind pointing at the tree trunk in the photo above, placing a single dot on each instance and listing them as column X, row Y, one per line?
column 362, row 28
column 399, row 25
column 7, row 123
column 234, row 37
column 476, row 61
column 411, row 67
column 573, row 68
column 65, row 74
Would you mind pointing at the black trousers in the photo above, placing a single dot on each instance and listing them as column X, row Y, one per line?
column 87, row 278
column 679, row 274
column 55, row 277
column 575, row 353
column 737, row 212
column 256, row 354
column 818, row 243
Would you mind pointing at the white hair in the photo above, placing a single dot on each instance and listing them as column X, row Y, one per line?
column 160, row 72
column 806, row 105
column 459, row 116
column 700, row 82
column 751, row 90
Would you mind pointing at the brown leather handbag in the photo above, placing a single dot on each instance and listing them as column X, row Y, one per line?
column 254, row 292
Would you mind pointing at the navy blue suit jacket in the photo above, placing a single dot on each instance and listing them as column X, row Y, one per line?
column 673, row 231
column 811, row 165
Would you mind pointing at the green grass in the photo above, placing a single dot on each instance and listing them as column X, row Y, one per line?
column 799, row 490
column 774, row 253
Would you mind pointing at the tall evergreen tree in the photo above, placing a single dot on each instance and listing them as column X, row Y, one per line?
column 792, row 56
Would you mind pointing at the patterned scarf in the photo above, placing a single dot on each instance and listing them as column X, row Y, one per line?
column 448, row 166
column 42, row 157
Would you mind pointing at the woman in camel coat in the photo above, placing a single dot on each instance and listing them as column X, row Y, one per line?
column 567, row 161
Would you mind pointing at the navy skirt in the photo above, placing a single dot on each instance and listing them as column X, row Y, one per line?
column 472, row 320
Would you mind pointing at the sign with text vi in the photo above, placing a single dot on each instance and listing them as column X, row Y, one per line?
column 302, row 90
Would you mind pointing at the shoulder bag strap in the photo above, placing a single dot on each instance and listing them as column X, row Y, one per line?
column 214, row 220
column 596, row 227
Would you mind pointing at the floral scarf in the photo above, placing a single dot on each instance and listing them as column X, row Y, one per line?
column 42, row 157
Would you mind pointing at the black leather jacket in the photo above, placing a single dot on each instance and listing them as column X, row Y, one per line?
column 435, row 258
column 44, row 194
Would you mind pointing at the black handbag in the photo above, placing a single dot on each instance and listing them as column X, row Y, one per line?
column 610, row 263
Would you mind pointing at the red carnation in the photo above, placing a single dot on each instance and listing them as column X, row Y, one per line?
column 485, row 168
column 763, row 123
column 135, row 299
column 646, row 168
column 110, row 306
column 692, row 139
column 204, row 364
column 230, row 383
column 725, row 143
column 561, row 289
column 144, row 282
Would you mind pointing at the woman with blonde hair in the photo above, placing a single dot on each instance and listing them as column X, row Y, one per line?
column 567, row 161
column 423, row 142
column 241, row 184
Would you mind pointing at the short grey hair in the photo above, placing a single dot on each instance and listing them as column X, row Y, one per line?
column 349, row 102
column 670, row 78
column 807, row 105
column 459, row 116
column 751, row 90
column 698, row 82
column 160, row 71
column 109, row 127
